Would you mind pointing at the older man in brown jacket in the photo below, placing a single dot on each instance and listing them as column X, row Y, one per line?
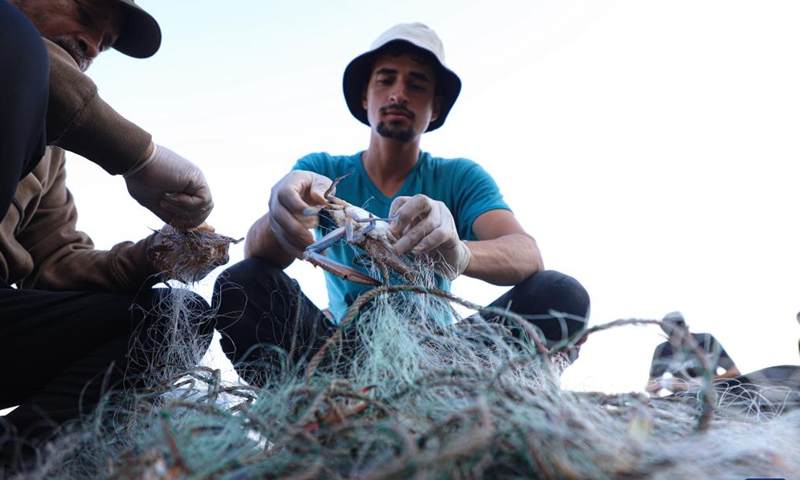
column 66, row 316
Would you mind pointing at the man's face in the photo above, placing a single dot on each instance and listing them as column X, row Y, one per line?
column 675, row 329
column 83, row 28
column 400, row 96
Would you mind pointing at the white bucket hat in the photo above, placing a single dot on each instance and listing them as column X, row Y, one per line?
column 448, row 85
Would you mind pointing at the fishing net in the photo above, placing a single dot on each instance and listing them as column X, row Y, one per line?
column 411, row 398
column 399, row 394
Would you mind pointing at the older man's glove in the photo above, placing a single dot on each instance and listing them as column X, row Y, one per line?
column 171, row 187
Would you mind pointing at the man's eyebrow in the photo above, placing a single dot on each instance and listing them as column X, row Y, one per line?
column 391, row 71
column 420, row 76
column 385, row 71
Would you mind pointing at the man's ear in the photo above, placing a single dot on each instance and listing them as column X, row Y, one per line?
column 437, row 107
column 364, row 98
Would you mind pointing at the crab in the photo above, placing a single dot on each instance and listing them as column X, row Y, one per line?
column 339, row 410
column 188, row 256
column 362, row 229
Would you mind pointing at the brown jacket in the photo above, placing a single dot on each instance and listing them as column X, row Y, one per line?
column 39, row 245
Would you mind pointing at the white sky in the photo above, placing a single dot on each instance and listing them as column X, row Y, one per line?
column 649, row 146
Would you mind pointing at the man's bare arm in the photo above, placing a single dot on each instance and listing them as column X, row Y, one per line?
column 262, row 243
column 504, row 254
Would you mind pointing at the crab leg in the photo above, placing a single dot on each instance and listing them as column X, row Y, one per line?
column 340, row 270
column 361, row 229
column 328, row 240
column 312, row 254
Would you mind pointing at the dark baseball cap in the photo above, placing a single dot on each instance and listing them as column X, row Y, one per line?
column 140, row 36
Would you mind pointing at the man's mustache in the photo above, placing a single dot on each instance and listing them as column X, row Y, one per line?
column 395, row 108
column 74, row 50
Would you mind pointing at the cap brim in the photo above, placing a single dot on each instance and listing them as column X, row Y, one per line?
column 357, row 72
column 140, row 36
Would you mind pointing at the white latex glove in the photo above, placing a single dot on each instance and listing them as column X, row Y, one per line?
column 426, row 226
column 292, row 209
column 171, row 187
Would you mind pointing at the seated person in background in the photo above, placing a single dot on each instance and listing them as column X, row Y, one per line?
column 678, row 357
column 770, row 390
column 448, row 209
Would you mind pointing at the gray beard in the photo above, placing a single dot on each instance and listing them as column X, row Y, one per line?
column 401, row 135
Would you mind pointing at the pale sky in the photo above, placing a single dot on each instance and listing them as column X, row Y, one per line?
column 650, row 147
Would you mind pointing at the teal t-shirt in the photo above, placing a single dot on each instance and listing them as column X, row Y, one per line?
column 463, row 185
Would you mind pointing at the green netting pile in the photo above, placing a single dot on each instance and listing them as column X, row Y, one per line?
column 411, row 399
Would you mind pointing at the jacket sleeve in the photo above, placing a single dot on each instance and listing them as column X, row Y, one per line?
column 80, row 121
column 65, row 259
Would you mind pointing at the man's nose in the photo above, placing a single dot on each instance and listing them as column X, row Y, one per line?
column 398, row 95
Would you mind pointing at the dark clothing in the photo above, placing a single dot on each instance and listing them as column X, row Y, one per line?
column 60, row 352
column 269, row 325
column 40, row 246
column 682, row 362
column 67, row 328
column 24, row 84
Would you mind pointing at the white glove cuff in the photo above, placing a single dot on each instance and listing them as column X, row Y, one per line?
column 141, row 164
column 461, row 257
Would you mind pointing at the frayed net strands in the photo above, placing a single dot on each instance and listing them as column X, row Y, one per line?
column 400, row 395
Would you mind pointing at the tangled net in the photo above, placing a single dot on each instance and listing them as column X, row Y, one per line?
column 414, row 399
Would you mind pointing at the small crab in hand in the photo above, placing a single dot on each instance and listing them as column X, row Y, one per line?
column 362, row 229
column 189, row 255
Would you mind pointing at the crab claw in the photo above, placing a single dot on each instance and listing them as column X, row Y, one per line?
column 340, row 270
column 343, row 410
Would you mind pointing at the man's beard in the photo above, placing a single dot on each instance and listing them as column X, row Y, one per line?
column 74, row 50
column 386, row 131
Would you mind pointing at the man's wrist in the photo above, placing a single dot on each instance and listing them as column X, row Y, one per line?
column 138, row 166
column 458, row 261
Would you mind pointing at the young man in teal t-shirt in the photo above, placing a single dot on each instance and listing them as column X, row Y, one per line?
column 450, row 210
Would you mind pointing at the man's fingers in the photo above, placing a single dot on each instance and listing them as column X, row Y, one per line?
column 396, row 204
column 431, row 228
column 405, row 213
column 176, row 202
column 320, row 185
column 291, row 230
column 418, row 237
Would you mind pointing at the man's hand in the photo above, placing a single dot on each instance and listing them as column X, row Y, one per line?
column 292, row 209
column 171, row 187
column 423, row 225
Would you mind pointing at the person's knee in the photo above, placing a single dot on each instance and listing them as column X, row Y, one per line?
column 240, row 271
column 562, row 292
column 249, row 274
column 563, row 301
